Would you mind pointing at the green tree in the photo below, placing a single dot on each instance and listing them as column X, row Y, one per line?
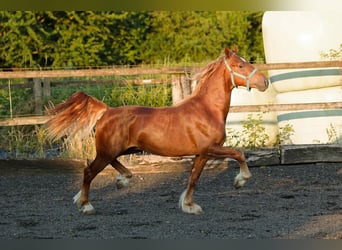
column 199, row 36
column 76, row 39
column 21, row 39
column 70, row 38
column 255, row 38
column 99, row 38
column 44, row 39
column 126, row 33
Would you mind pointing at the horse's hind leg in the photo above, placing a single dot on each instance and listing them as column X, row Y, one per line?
column 122, row 179
column 217, row 151
column 186, row 202
column 81, row 199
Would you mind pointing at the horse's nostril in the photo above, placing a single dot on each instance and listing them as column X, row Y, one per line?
column 267, row 82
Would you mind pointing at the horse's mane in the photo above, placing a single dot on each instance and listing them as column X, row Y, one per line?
column 206, row 72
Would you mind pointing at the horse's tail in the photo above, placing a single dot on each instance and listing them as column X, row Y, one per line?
column 77, row 115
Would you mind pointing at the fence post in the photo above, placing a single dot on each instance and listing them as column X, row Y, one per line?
column 181, row 87
column 37, row 93
column 41, row 92
column 46, row 89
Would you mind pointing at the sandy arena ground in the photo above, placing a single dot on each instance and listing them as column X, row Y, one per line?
column 287, row 202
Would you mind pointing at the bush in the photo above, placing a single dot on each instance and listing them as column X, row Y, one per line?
column 253, row 134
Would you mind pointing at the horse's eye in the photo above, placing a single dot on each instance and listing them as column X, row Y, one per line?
column 241, row 66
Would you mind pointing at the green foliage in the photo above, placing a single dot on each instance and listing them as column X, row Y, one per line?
column 198, row 36
column 252, row 136
column 333, row 136
column 4, row 102
column 333, row 54
column 22, row 102
column 254, row 132
column 67, row 39
column 20, row 40
column 233, row 139
column 143, row 95
column 70, row 38
column 30, row 141
column 24, row 141
column 114, row 91
column 284, row 134
column 79, row 148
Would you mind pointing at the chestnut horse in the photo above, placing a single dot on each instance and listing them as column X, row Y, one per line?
column 195, row 126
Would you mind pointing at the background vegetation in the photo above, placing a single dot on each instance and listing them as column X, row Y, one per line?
column 82, row 39
column 78, row 39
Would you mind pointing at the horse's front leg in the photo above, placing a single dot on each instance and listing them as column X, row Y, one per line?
column 186, row 202
column 217, row 151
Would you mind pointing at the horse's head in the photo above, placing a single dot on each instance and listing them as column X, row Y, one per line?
column 243, row 73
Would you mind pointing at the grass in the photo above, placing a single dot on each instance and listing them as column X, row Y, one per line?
column 24, row 142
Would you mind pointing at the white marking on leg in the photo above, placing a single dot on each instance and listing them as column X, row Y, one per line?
column 121, row 181
column 190, row 209
column 77, row 199
column 87, row 208
column 181, row 199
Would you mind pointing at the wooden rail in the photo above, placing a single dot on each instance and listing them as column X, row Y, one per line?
column 17, row 73
column 285, row 107
column 28, row 120
column 177, row 70
column 32, row 120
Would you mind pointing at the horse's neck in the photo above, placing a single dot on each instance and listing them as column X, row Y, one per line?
column 215, row 93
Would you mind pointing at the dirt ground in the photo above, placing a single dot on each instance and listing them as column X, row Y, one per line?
column 286, row 202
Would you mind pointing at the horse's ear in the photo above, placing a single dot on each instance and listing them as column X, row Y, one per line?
column 227, row 51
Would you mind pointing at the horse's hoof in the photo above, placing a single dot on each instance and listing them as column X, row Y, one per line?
column 239, row 181
column 87, row 209
column 192, row 208
column 121, row 181
column 84, row 208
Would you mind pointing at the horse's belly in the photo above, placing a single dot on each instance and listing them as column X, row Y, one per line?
column 169, row 144
column 165, row 150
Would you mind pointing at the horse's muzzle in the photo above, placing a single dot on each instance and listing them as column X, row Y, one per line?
column 267, row 82
column 262, row 86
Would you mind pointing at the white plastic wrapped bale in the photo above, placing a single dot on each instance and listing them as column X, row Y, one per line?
column 301, row 36
column 313, row 126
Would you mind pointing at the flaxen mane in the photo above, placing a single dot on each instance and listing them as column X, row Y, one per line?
column 206, row 72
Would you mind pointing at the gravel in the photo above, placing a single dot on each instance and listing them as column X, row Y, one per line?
column 286, row 202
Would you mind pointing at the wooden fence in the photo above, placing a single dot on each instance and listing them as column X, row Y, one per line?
column 181, row 86
column 151, row 71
